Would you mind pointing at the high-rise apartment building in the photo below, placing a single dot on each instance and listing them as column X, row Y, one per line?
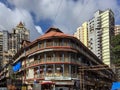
column 100, row 30
column 117, row 29
column 96, row 34
column 1, row 48
column 82, row 33
column 4, row 35
column 1, row 44
column 10, row 43
column 19, row 33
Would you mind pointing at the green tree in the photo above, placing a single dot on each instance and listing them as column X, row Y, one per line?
column 116, row 49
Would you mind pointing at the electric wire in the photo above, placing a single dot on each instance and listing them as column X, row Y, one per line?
column 58, row 9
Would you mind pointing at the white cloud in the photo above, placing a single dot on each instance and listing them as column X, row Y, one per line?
column 66, row 14
column 10, row 18
column 38, row 28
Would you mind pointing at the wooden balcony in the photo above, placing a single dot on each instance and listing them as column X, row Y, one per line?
column 33, row 63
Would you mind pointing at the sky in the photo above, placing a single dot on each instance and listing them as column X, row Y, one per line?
column 39, row 15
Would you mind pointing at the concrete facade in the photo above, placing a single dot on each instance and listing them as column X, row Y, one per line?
column 11, row 42
column 117, row 29
column 100, row 30
column 82, row 33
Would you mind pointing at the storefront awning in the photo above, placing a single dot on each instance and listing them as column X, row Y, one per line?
column 47, row 82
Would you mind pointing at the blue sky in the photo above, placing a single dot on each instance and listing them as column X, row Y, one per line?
column 39, row 15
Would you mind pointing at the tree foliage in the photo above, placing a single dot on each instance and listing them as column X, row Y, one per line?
column 116, row 49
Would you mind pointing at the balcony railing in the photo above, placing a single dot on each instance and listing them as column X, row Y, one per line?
column 51, row 60
column 34, row 62
column 39, row 76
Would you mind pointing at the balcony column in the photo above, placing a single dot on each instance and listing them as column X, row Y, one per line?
column 69, row 70
column 23, row 66
column 39, row 45
column 63, row 57
column 53, row 87
column 63, row 70
column 44, row 57
column 62, row 42
column 69, row 43
column 53, row 43
column 53, row 70
column 76, row 71
column 44, row 44
column 53, row 56
column 69, row 57
column 54, row 64
column 76, row 58
column 45, row 64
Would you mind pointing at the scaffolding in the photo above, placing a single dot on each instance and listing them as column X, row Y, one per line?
column 97, row 69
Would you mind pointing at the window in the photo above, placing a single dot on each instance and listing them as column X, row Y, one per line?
column 60, row 42
column 49, row 43
column 49, row 57
column 60, row 56
column 49, row 70
column 58, row 70
column 56, row 42
column 39, row 45
column 73, row 71
column 66, row 70
column 65, row 42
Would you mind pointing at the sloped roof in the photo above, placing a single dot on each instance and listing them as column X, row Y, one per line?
column 25, row 43
column 53, row 32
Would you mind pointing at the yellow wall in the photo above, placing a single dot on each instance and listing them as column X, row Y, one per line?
column 85, row 33
column 105, row 38
column 82, row 34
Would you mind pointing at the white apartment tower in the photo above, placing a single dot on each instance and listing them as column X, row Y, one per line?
column 100, row 30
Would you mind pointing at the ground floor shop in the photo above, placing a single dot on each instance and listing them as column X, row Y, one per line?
column 54, row 85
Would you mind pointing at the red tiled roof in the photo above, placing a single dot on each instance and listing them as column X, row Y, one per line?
column 53, row 32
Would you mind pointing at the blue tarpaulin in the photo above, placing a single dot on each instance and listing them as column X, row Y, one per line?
column 116, row 86
column 17, row 66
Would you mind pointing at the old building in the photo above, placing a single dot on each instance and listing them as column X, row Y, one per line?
column 4, row 42
column 10, row 44
column 58, row 61
column 96, row 34
column 117, row 29
column 18, row 34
